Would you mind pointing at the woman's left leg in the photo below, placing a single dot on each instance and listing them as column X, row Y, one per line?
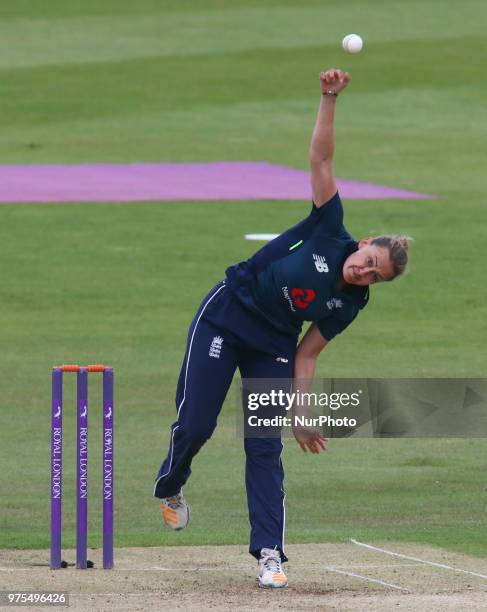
column 264, row 473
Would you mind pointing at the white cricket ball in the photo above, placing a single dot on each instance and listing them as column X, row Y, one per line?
column 353, row 43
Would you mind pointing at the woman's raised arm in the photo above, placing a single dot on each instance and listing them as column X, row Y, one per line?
column 322, row 146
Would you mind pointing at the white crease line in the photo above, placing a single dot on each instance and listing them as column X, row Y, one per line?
column 197, row 569
column 23, row 569
column 375, row 565
column 386, row 584
column 128, row 569
column 394, row 554
column 245, row 568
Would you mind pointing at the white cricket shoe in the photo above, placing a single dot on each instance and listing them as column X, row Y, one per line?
column 175, row 511
column 270, row 569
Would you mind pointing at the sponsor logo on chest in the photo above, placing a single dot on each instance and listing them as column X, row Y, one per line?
column 298, row 298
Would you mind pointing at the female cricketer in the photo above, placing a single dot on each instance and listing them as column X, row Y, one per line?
column 315, row 272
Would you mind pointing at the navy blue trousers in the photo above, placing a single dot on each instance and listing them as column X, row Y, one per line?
column 225, row 336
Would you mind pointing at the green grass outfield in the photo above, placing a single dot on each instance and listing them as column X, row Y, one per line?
column 188, row 81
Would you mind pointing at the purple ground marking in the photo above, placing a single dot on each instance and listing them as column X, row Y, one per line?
column 142, row 182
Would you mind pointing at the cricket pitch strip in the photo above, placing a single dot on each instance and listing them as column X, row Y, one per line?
column 346, row 576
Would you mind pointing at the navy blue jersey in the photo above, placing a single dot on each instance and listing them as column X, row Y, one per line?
column 294, row 277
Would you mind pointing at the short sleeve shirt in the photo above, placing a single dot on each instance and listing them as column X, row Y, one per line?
column 294, row 277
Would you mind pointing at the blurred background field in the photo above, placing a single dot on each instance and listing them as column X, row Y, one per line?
column 119, row 283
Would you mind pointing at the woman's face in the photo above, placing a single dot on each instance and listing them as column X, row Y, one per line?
column 369, row 265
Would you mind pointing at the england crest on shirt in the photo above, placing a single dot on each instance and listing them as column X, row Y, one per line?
column 216, row 347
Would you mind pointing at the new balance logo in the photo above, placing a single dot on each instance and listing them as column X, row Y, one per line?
column 282, row 359
column 216, row 347
column 334, row 303
column 320, row 263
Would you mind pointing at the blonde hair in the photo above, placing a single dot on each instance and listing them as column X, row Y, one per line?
column 398, row 251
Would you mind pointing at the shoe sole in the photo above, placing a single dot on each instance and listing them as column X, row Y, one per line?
column 271, row 586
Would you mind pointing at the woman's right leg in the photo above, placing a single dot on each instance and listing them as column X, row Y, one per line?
column 208, row 368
